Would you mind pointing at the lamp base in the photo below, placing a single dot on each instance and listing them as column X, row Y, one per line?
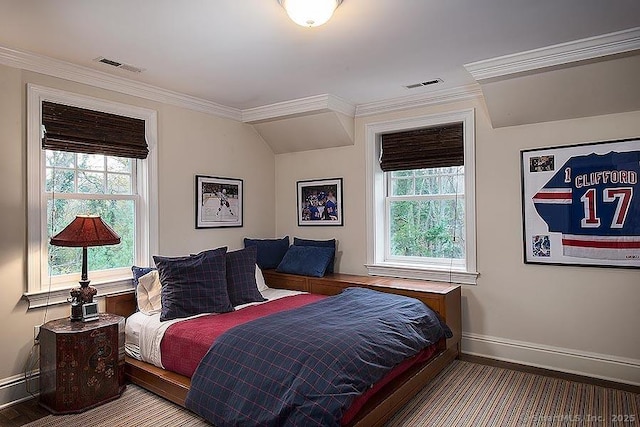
column 80, row 296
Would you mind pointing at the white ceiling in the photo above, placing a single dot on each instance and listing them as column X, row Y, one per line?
column 244, row 54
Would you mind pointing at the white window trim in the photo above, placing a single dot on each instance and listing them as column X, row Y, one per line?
column 38, row 293
column 375, row 201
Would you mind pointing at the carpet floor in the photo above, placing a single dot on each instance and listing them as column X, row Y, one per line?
column 464, row 394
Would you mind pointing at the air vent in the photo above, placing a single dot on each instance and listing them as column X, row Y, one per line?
column 120, row 65
column 428, row 83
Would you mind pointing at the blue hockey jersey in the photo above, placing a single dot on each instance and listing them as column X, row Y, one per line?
column 592, row 201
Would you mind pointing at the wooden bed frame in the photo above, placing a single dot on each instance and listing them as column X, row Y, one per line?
column 443, row 298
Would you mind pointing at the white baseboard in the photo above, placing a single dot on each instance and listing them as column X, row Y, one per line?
column 595, row 365
column 14, row 389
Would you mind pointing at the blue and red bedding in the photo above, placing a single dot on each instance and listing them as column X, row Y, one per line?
column 306, row 366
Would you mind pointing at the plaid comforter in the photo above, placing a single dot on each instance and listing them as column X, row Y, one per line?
column 304, row 367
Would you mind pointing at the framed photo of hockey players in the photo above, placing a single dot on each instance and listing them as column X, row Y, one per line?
column 218, row 202
column 320, row 202
column 581, row 204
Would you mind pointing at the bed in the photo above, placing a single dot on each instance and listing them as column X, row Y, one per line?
column 443, row 299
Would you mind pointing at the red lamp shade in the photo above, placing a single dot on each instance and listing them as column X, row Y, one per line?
column 86, row 230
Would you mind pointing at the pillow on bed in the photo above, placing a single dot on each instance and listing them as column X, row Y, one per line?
column 262, row 286
column 270, row 251
column 193, row 284
column 149, row 293
column 138, row 272
column 321, row 243
column 241, row 276
column 306, row 260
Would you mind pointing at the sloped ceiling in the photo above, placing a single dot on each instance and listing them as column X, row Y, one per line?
column 579, row 79
column 309, row 132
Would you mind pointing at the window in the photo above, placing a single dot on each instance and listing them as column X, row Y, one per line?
column 421, row 204
column 65, row 180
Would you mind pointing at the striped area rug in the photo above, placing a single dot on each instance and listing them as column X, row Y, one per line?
column 469, row 394
column 464, row 394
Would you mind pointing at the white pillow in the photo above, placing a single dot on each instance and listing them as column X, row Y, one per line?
column 149, row 293
column 260, row 280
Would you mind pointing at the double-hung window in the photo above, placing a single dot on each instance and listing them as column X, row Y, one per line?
column 88, row 156
column 421, row 205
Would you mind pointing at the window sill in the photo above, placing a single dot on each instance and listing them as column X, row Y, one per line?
column 422, row 273
column 39, row 299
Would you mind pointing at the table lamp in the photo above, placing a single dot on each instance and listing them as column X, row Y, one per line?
column 84, row 231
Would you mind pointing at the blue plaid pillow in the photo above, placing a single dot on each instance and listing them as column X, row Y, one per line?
column 321, row 243
column 270, row 251
column 194, row 284
column 306, row 260
column 241, row 276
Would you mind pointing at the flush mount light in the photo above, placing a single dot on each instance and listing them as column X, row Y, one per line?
column 310, row 13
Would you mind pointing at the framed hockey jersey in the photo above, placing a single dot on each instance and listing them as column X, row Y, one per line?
column 581, row 204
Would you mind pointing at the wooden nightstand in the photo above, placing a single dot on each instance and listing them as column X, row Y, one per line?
column 81, row 364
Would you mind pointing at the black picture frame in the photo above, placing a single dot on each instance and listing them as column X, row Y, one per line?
column 581, row 204
column 319, row 202
column 218, row 202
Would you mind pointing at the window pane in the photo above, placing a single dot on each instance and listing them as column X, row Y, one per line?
column 401, row 174
column 94, row 162
column 427, row 228
column 119, row 183
column 428, row 185
column 119, row 214
column 118, row 164
column 62, row 181
column 402, row 187
column 60, row 159
column 90, row 182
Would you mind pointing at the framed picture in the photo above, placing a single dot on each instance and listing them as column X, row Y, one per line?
column 320, row 202
column 218, row 202
column 581, row 204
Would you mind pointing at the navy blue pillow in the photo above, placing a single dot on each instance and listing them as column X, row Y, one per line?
column 320, row 243
column 306, row 260
column 270, row 251
column 241, row 276
column 193, row 284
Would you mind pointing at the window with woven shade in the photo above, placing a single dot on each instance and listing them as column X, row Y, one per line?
column 420, row 191
column 88, row 157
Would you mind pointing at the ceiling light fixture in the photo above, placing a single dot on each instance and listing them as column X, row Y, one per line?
column 310, row 13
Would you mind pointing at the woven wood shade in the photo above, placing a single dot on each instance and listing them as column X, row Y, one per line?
column 433, row 147
column 80, row 130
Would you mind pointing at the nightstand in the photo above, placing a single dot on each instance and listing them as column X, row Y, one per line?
column 81, row 363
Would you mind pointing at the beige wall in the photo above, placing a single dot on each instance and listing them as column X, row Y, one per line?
column 189, row 143
column 578, row 319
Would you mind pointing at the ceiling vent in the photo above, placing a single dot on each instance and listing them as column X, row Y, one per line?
column 119, row 65
column 421, row 84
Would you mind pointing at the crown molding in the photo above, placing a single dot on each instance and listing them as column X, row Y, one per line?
column 79, row 74
column 445, row 96
column 297, row 107
column 555, row 55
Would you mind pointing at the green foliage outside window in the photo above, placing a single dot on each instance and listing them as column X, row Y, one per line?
column 426, row 212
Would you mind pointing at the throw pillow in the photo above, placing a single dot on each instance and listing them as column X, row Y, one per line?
column 241, row 276
column 306, row 260
column 321, row 243
column 270, row 251
column 193, row 284
column 149, row 293
column 262, row 286
column 138, row 272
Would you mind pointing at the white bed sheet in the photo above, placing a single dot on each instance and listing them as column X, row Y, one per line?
column 143, row 333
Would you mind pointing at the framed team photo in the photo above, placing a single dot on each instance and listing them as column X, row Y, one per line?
column 218, row 202
column 320, row 202
column 581, row 204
